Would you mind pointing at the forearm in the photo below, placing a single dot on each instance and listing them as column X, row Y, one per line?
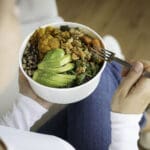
column 9, row 48
column 125, row 131
column 9, row 43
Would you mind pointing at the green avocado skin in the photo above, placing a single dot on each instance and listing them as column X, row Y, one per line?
column 52, row 71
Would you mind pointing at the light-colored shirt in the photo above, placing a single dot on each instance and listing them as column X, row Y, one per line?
column 25, row 112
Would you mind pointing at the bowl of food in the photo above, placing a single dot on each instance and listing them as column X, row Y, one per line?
column 59, row 64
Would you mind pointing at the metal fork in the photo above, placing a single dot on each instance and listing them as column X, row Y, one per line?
column 109, row 56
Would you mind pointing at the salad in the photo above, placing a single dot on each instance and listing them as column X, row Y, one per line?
column 61, row 57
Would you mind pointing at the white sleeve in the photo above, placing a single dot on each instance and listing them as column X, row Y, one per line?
column 15, row 139
column 125, row 131
column 24, row 113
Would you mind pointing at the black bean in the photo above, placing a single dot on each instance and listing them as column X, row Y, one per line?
column 32, row 53
column 34, row 66
column 64, row 28
column 28, row 54
column 35, row 58
column 36, row 52
column 27, row 64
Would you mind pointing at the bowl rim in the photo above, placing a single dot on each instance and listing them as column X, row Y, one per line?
column 25, row 41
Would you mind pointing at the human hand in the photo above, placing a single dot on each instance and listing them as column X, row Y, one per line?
column 133, row 94
column 26, row 90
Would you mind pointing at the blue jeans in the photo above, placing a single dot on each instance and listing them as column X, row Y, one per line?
column 86, row 124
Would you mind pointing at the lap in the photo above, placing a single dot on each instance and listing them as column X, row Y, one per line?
column 86, row 124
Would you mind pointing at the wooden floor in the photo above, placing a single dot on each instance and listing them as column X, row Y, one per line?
column 127, row 20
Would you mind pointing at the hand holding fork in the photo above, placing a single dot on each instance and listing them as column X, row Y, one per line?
column 109, row 56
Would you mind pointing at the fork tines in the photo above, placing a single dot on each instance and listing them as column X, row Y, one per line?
column 104, row 54
column 109, row 56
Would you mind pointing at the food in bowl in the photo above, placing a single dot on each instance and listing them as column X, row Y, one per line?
column 61, row 57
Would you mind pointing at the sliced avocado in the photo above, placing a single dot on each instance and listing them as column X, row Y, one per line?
column 62, row 69
column 55, row 63
column 50, row 70
column 53, row 79
column 54, row 54
column 66, row 59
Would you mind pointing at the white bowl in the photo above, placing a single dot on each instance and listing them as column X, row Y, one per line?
column 64, row 95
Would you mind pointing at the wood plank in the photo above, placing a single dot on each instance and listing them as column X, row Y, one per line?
column 127, row 20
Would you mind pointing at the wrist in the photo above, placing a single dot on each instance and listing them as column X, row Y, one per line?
column 122, row 117
column 127, row 109
column 35, row 98
column 42, row 102
column 125, row 131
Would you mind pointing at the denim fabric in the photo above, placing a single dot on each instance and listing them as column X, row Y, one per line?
column 86, row 124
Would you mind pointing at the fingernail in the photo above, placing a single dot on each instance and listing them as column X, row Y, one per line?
column 137, row 67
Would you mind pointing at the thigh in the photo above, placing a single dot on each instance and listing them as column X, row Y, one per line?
column 86, row 124
column 56, row 126
column 89, row 120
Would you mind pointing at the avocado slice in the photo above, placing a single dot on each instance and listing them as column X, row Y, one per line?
column 62, row 69
column 54, row 54
column 53, row 79
column 52, row 70
column 55, row 63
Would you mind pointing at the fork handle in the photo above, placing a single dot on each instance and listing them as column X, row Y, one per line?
column 146, row 74
column 122, row 62
column 126, row 64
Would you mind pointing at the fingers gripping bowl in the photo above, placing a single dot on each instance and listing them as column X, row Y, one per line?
column 63, row 69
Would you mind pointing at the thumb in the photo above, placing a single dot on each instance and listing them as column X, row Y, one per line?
column 132, row 77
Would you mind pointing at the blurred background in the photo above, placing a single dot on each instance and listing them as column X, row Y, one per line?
column 127, row 20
